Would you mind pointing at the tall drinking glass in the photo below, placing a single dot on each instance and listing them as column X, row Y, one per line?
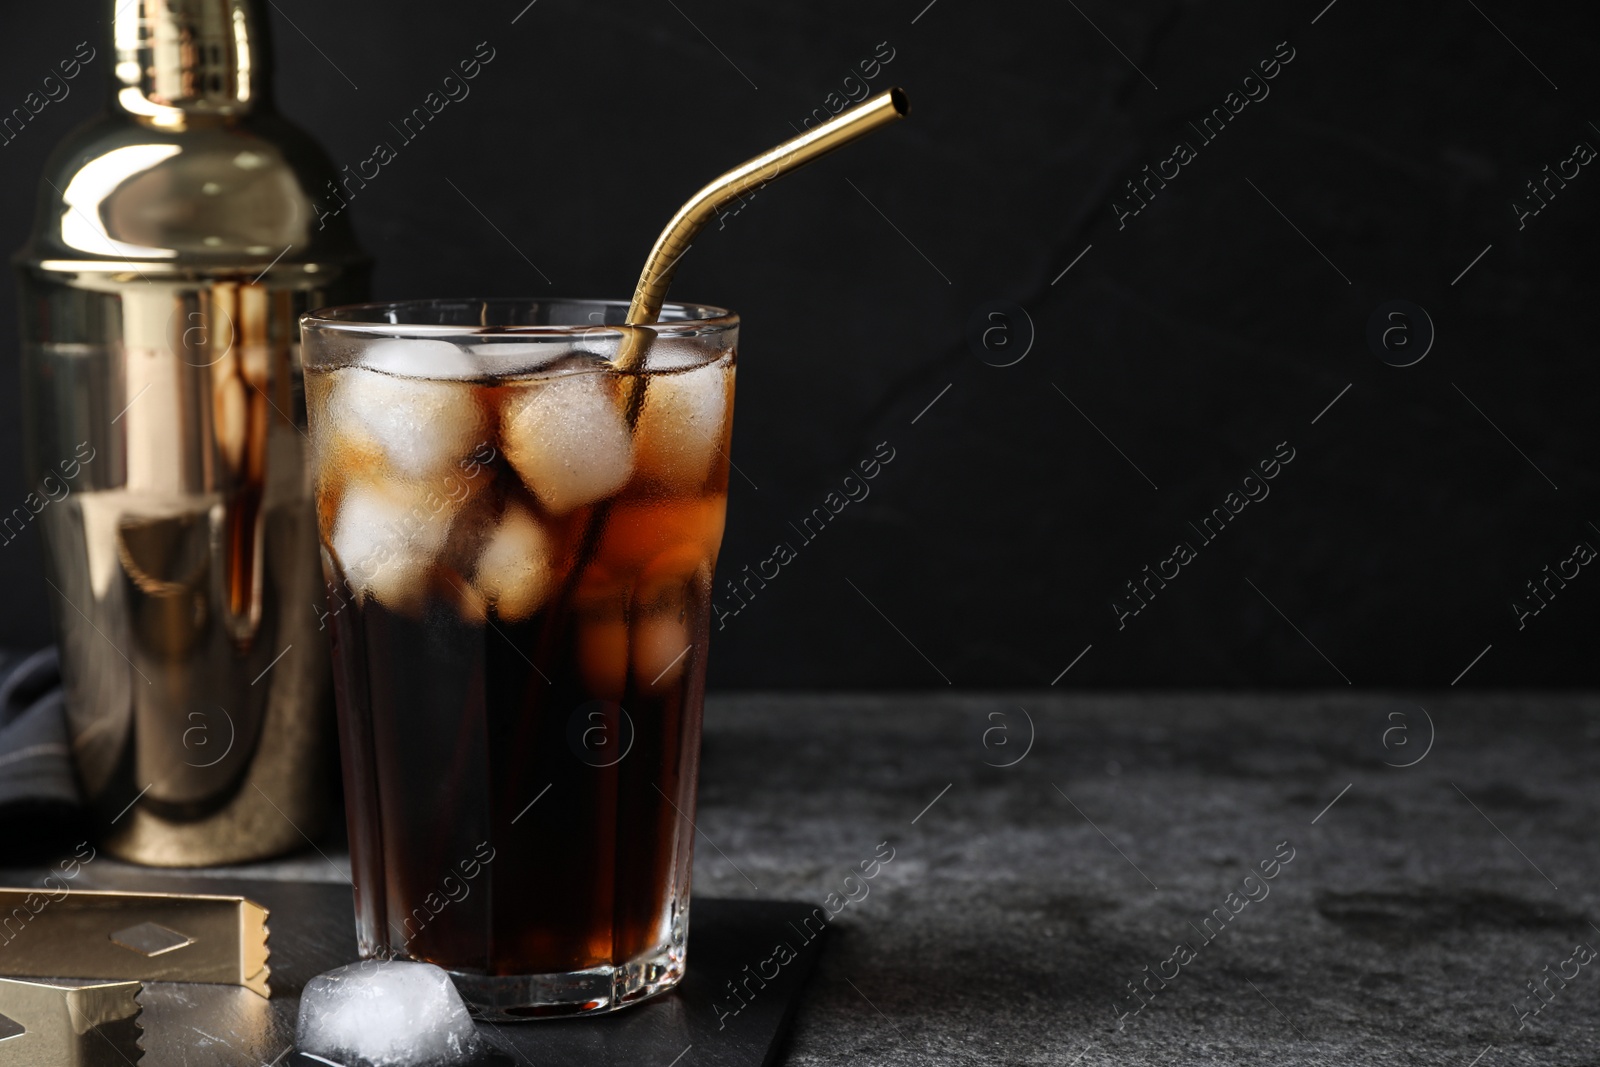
column 519, row 543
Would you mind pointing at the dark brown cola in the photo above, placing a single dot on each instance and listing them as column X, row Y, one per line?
column 520, row 665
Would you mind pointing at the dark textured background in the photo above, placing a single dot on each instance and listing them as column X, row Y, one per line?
column 1196, row 339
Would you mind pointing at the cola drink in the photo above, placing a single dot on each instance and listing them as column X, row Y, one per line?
column 519, row 544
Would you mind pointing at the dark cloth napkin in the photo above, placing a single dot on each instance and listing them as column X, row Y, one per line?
column 35, row 754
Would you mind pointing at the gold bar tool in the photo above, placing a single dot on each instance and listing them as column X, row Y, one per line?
column 71, row 1026
column 150, row 937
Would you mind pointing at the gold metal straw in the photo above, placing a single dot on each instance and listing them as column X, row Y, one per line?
column 858, row 121
column 691, row 218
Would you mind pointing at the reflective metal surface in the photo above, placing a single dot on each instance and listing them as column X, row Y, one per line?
column 175, row 246
column 151, row 937
column 70, row 1025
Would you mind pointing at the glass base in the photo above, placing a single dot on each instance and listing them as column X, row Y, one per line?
column 595, row 991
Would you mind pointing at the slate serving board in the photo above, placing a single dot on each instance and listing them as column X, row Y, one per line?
column 313, row 930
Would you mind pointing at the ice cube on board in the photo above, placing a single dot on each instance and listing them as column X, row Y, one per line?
column 386, row 1013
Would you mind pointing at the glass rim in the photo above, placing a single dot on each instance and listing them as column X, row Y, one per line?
column 679, row 319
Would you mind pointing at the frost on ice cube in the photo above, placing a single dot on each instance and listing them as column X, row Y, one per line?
column 521, row 359
column 681, row 425
column 439, row 360
column 418, row 428
column 511, row 358
column 386, row 538
column 513, row 572
column 567, row 438
column 667, row 353
column 386, row 1014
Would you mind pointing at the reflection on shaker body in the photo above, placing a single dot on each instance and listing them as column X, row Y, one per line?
column 184, row 559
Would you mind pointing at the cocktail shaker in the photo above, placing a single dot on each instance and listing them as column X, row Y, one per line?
column 178, row 239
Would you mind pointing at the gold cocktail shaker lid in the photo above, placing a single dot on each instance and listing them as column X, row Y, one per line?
column 180, row 180
column 181, row 58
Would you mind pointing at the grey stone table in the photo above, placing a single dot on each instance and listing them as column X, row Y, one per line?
column 1429, row 856
column 1022, row 900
